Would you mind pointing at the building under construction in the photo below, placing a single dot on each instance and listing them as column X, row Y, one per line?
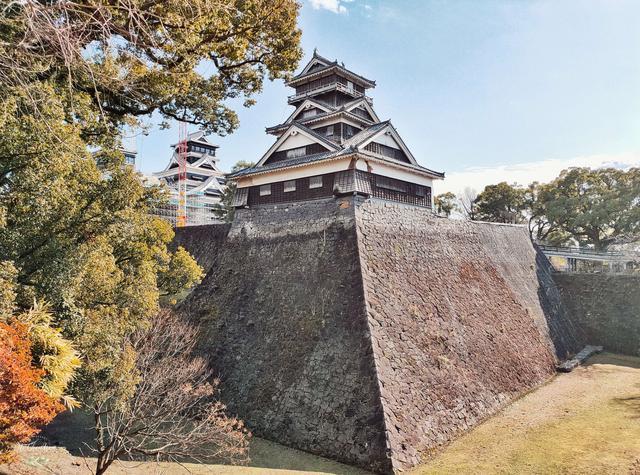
column 194, row 181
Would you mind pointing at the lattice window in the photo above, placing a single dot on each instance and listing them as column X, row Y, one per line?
column 391, row 184
column 289, row 186
column 265, row 190
column 315, row 182
column 297, row 152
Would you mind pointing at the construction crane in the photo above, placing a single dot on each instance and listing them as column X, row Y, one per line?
column 181, row 217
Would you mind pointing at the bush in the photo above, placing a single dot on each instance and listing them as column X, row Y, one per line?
column 24, row 407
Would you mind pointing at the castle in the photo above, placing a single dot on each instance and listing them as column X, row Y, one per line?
column 334, row 144
column 346, row 319
column 205, row 183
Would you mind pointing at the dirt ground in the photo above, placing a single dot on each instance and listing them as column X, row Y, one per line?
column 584, row 422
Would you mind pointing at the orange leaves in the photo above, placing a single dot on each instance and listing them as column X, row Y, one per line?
column 24, row 407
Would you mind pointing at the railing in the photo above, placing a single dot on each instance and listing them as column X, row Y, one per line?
column 338, row 85
column 583, row 260
column 585, row 252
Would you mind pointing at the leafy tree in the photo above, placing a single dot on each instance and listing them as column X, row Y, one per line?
column 595, row 207
column 542, row 230
column 446, row 203
column 24, row 406
column 133, row 57
column 75, row 229
column 73, row 220
column 501, row 203
column 225, row 209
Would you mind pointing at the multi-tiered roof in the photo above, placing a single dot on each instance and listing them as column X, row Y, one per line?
column 205, row 182
column 333, row 121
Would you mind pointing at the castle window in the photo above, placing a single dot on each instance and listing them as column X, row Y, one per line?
column 330, row 131
column 308, row 113
column 296, row 152
column 391, row 184
column 289, row 186
column 265, row 190
column 421, row 191
column 315, row 182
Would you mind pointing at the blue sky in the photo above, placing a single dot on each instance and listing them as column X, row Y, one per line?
column 482, row 90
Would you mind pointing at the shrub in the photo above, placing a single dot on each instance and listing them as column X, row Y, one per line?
column 24, row 407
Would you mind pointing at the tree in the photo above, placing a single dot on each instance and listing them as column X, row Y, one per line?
column 171, row 415
column 225, row 209
column 36, row 366
column 74, row 222
column 133, row 57
column 446, row 203
column 467, row 203
column 501, row 203
column 24, row 406
column 595, row 207
column 542, row 230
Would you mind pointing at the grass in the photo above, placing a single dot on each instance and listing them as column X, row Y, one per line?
column 584, row 422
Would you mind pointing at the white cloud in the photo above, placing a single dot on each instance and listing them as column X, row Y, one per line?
column 334, row 6
column 524, row 173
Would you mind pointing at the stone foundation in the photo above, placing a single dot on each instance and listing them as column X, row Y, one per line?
column 371, row 332
column 605, row 307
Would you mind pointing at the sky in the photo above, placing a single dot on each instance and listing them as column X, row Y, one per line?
column 486, row 91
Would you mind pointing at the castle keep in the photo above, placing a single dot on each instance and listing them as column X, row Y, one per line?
column 334, row 144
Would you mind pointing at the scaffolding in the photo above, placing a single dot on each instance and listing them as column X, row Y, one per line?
column 198, row 209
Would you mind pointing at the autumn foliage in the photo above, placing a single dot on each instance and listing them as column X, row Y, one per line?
column 24, row 407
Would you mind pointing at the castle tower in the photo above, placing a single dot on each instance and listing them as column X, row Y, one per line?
column 334, row 144
column 205, row 182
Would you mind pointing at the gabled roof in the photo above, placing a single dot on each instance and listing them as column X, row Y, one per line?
column 315, row 59
column 353, row 145
column 328, row 66
column 297, row 127
column 198, row 137
column 307, row 104
column 320, row 117
column 363, row 138
column 364, row 102
column 325, row 156
column 206, row 158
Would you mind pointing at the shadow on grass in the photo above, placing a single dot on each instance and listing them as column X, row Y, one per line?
column 73, row 431
column 631, row 403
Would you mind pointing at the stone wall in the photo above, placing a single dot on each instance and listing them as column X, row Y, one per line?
column 203, row 242
column 282, row 314
column 606, row 307
column 372, row 332
column 459, row 321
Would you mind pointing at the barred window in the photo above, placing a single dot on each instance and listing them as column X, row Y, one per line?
column 391, row 184
column 315, row 182
column 265, row 190
column 289, row 186
column 296, row 152
column 421, row 191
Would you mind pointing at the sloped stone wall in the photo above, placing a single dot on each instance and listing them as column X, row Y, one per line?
column 203, row 242
column 282, row 314
column 372, row 332
column 459, row 321
column 605, row 307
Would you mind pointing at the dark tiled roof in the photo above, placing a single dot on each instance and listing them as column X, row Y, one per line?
column 348, row 146
column 363, row 135
column 291, row 162
column 318, row 117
